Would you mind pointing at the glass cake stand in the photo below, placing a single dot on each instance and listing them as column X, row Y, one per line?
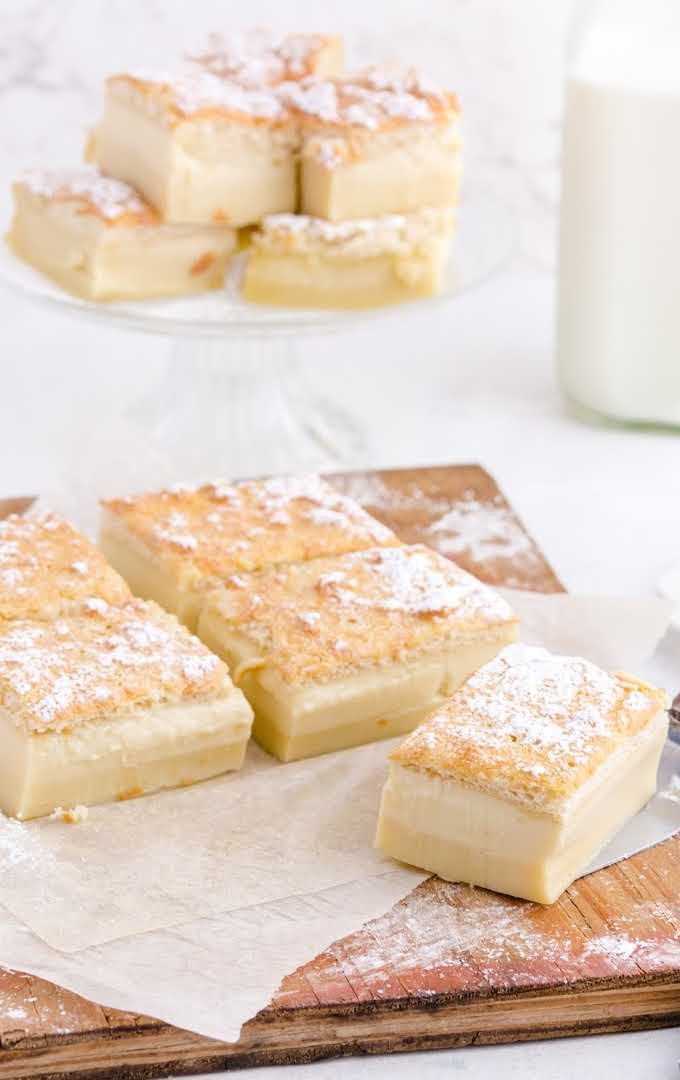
column 234, row 397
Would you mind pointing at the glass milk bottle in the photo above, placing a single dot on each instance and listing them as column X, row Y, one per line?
column 619, row 287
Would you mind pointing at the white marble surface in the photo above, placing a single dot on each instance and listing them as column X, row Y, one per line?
column 473, row 381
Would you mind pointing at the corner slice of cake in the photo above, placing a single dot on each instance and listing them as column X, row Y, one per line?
column 111, row 705
column 173, row 546
column 375, row 145
column 49, row 569
column 518, row 781
column 299, row 261
column 347, row 650
column 99, row 240
column 263, row 57
column 201, row 149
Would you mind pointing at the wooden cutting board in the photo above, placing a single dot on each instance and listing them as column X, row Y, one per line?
column 448, row 966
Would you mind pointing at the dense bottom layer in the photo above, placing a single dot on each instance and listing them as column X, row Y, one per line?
column 287, row 747
column 122, row 263
column 88, row 788
column 100, row 762
column 308, row 281
column 465, row 834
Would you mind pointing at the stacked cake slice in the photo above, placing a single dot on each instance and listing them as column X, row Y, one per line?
column 244, row 133
column 379, row 178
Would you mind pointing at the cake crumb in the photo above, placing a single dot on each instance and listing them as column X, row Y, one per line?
column 74, row 815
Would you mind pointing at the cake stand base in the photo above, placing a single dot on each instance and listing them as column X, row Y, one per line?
column 233, row 408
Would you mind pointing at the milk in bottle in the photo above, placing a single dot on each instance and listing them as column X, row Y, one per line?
column 619, row 285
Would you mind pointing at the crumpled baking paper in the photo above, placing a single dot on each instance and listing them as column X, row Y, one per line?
column 192, row 905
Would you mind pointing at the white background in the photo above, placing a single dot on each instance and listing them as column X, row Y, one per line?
column 470, row 382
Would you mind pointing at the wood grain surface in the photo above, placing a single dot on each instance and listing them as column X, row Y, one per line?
column 448, row 966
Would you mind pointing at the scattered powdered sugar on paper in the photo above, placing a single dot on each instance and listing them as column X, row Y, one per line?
column 112, row 198
column 672, row 792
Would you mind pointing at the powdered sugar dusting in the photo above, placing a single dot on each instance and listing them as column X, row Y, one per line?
column 369, row 100
column 218, row 529
column 259, row 57
column 530, row 725
column 416, row 581
column 372, row 607
column 48, row 568
column 53, row 675
column 111, row 198
column 389, row 234
column 193, row 90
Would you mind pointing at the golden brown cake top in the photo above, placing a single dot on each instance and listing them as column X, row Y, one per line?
column 371, row 101
column 194, row 94
column 263, row 57
column 392, row 234
column 532, row 726
column 48, row 568
column 113, row 201
column 112, row 661
column 218, row 529
column 314, row 621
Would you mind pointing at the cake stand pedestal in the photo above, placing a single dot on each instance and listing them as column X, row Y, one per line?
column 241, row 408
column 233, row 398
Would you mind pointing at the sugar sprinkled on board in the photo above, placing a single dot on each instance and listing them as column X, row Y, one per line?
column 112, row 198
column 482, row 531
column 477, row 532
column 445, row 929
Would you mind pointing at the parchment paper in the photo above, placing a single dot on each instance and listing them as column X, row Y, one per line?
column 191, row 906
